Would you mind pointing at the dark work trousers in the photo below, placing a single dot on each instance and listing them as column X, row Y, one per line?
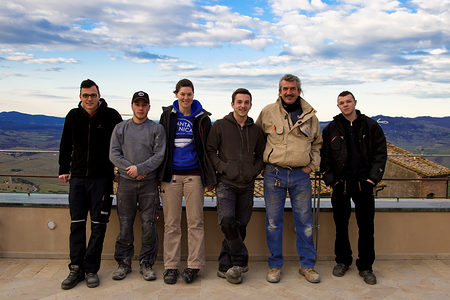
column 91, row 195
column 130, row 194
column 234, row 209
column 361, row 193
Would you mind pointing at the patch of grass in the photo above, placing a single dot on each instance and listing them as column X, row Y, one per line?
column 30, row 164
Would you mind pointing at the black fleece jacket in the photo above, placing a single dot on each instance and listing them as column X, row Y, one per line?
column 334, row 154
column 84, row 147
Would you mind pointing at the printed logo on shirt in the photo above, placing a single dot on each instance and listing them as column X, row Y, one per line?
column 184, row 127
column 183, row 136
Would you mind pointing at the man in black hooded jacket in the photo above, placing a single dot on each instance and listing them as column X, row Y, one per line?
column 235, row 147
column 353, row 158
column 84, row 162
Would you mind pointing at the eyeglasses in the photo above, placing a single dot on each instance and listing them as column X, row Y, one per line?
column 86, row 96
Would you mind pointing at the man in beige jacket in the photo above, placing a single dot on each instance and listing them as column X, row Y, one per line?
column 292, row 152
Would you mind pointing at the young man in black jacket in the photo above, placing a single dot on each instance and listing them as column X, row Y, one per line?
column 353, row 158
column 235, row 147
column 84, row 162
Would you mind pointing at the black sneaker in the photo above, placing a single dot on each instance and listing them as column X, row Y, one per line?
column 75, row 276
column 368, row 276
column 340, row 269
column 189, row 274
column 171, row 276
column 92, row 280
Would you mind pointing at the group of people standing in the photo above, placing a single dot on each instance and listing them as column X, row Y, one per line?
column 184, row 154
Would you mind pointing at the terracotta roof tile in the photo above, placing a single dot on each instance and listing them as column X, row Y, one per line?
column 422, row 166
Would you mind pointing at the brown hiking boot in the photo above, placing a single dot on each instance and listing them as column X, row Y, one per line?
column 310, row 274
column 273, row 275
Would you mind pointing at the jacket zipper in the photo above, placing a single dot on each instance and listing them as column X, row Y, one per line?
column 286, row 117
column 241, row 131
column 88, row 147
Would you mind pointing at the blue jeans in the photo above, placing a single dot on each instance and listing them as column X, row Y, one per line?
column 278, row 181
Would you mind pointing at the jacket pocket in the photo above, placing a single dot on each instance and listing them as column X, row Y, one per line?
column 268, row 155
column 231, row 171
column 249, row 171
column 276, row 136
column 105, row 209
column 366, row 187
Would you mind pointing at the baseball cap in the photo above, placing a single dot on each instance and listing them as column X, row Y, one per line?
column 140, row 95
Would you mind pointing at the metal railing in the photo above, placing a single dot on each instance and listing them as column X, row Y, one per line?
column 319, row 187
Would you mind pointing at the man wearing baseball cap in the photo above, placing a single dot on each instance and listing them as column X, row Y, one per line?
column 137, row 149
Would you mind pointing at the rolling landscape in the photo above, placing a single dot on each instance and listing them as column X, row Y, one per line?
column 425, row 135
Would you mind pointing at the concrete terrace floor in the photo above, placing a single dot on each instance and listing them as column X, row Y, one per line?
column 397, row 279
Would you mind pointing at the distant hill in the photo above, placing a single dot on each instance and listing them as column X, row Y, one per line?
column 18, row 130
column 427, row 134
column 17, row 120
column 422, row 134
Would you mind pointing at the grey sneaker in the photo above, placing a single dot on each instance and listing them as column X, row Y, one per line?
column 234, row 274
column 310, row 274
column 147, row 272
column 340, row 269
column 121, row 272
column 368, row 277
column 75, row 276
column 221, row 274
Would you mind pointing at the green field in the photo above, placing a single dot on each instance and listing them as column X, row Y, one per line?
column 44, row 164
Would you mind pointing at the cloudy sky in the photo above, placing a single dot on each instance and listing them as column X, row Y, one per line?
column 393, row 55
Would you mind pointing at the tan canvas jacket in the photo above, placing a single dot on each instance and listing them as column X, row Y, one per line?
column 291, row 145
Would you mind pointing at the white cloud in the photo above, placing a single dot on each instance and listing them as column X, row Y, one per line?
column 438, row 51
column 422, row 90
column 395, row 45
column 10, row 55
column 120, row 25
column 177, row 67
column 282, row 6
column 259, row 11
column 431, row 6
column 367, row 37
column 258, row 44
